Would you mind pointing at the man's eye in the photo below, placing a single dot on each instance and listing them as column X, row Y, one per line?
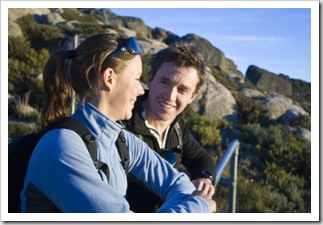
column 164, row 82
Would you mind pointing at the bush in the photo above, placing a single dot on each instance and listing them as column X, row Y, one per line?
column 73, row 14
column 86, row 29
column 37, row 32
column 282, row 179
column 221, row 77
column 251, row 110
column 145, row 67
column 17, row 47
column 280, row 160
column 18, row 129
column 302, row 121
column 254, row 198
column 24, row 68
column 206, row 131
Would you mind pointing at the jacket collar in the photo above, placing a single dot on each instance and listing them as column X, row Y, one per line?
column 96, row 121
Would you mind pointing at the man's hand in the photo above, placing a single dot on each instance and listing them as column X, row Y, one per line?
column 205, row 189
column 204, row 184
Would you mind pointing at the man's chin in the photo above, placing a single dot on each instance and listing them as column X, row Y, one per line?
column 165, row 117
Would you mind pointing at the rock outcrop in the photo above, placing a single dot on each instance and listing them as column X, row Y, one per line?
column 268, row 81
column 278, row 105
column 215, row 101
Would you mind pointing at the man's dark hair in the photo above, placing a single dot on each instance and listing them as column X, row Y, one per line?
column 181, row 54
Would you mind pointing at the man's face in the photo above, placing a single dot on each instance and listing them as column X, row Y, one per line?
column 171, row 90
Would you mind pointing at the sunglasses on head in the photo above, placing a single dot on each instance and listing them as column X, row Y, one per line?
column 131, row 46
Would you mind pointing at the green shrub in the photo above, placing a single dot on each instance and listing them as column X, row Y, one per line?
column 86, row 29
column 73, row 14
column 281, row 161
column 221, row 78
column 205, row 130
column 302, row 121
column 282, row 179
column 24, row 68
column 16, row 130
column 17, row 47
column 145, row 67
column 263, row 138
column 221, row 198
column 293, row 155
column 251, row 110
column 254, row 198
column 37, row 32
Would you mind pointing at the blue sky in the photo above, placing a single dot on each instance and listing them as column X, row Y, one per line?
column 275, row 39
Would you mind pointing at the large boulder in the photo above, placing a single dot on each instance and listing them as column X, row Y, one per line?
column 215, row 57
column 54, row 18
column 215, row 101
column 277, row 105
column 268, row 81
column 14, row 29
column 151, row 47
column 136, row 25
column 251, row 93
column 301, row 133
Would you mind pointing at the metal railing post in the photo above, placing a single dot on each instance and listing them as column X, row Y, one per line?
column 233, row 176
column 230, row 155
column 72, row 106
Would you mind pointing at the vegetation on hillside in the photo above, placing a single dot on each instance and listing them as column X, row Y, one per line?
column 274, row 166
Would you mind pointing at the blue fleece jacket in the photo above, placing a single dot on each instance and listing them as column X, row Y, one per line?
column 62, row 171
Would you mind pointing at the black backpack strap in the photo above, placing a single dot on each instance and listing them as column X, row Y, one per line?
column 82, row 131
column 123, row 152
column 87, row 137
column 89, row 141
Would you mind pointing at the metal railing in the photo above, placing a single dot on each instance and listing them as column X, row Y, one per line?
column 72, row 106
column 231, row 153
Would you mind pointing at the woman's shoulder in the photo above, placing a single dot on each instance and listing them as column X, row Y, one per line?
column 59, row 140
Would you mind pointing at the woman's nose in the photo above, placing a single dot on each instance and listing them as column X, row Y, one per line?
column 141, row 90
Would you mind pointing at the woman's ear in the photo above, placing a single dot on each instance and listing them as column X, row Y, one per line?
column 107, row 78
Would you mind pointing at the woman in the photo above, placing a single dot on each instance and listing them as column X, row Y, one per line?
column 104, row 71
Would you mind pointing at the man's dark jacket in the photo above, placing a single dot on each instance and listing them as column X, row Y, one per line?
column 188, row 153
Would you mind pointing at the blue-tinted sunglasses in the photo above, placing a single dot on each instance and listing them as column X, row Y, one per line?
column 131, row 46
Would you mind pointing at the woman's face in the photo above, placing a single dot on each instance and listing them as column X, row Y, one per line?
column 126, row 90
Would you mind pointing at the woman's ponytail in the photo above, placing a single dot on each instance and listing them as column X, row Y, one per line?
column 57, row 87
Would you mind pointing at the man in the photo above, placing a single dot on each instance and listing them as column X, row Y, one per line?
column 175, row 76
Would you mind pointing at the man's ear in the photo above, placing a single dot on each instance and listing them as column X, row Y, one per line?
column 149, row 78
column 195, row 93
column 107, row 78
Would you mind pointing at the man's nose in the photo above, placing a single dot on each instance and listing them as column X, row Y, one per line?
column 171, row 93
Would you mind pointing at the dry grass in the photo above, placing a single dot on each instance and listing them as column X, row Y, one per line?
column 23, row 110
